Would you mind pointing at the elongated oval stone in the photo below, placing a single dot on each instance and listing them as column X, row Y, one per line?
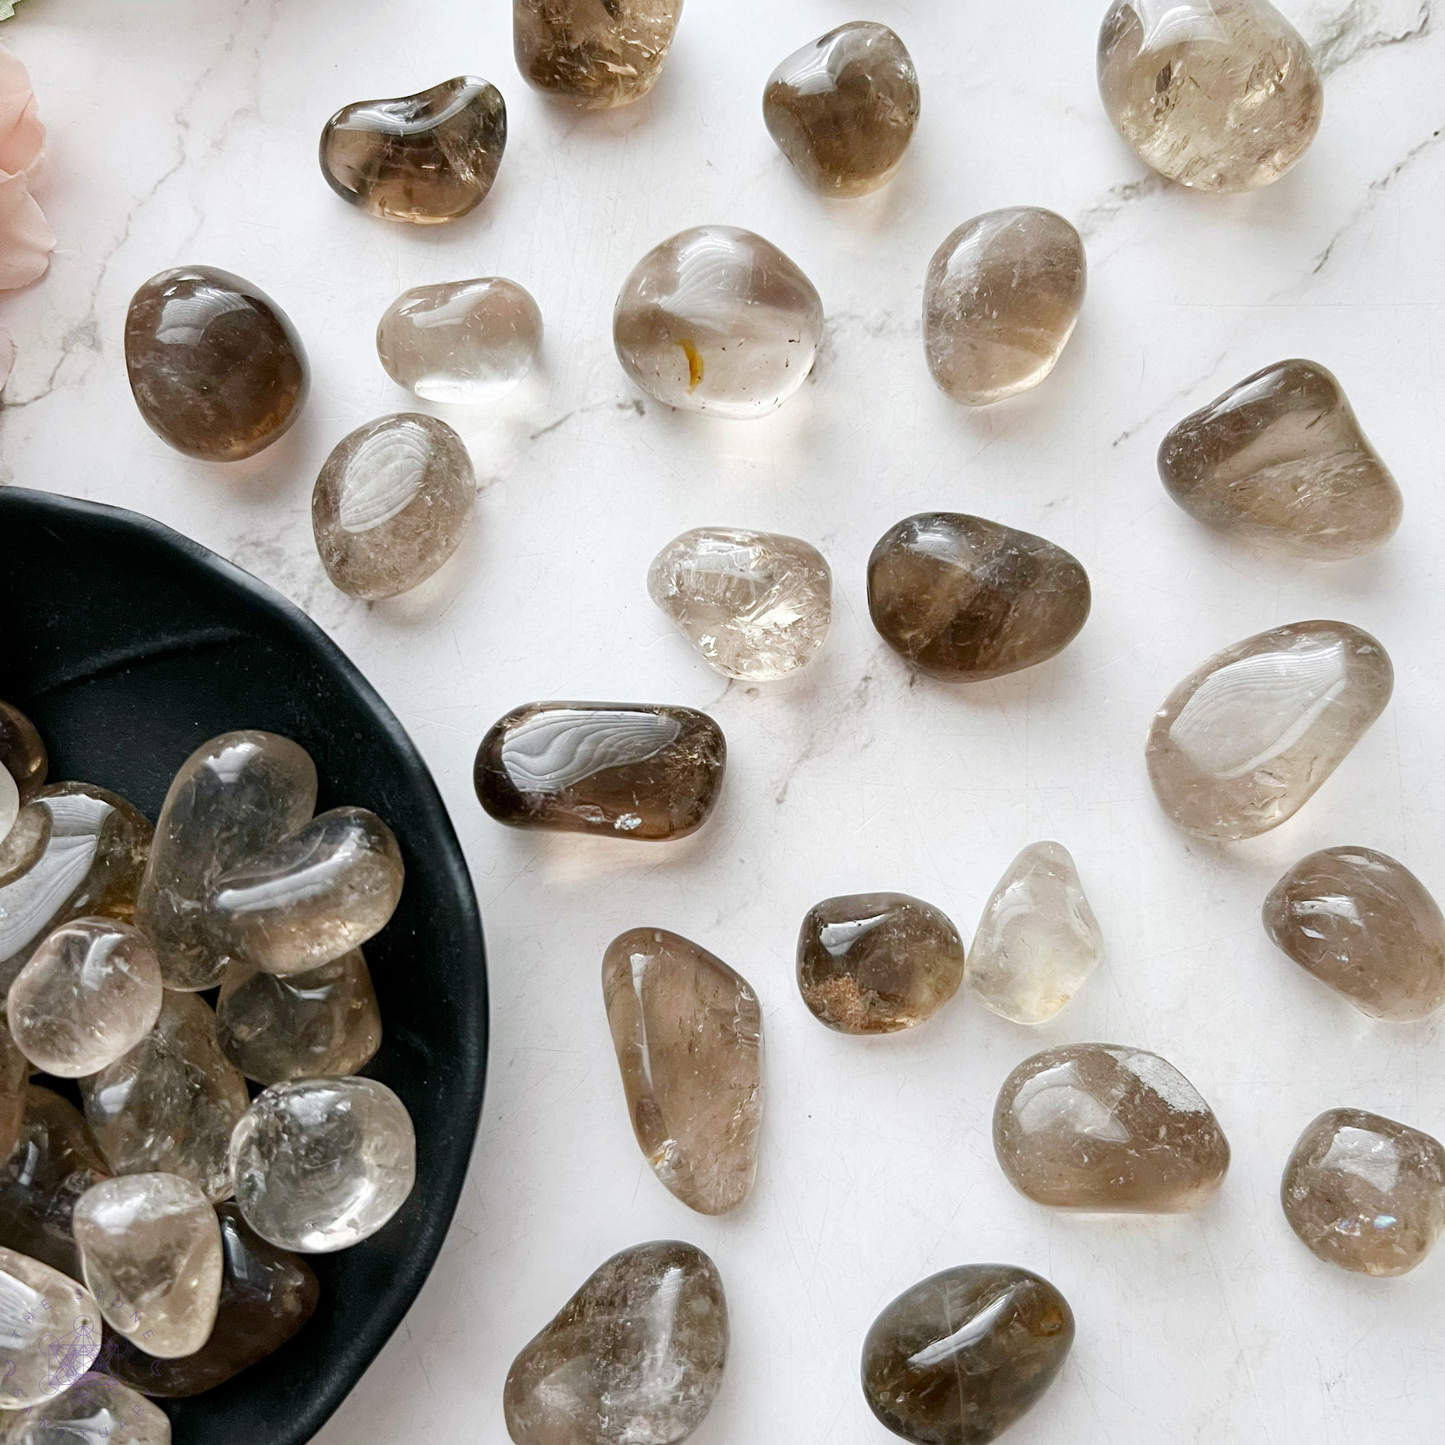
column 22, row 753
column 622, row 770
column 718, row 320
column 216, row 366
column 1000, row 301
column 755, row 605
column 688, row 1034
column 875, row 963
column 51, row 1335
column 95, row 1410
column 1038, row 939
column 965, row 600
column 1094, row 1126
column 593, row 53
column 636, row 1354
column 1245, row 741
column 1280, row 461
column 423, row 158
column 959, row 1357
column 1220, row 95
column 392, row 504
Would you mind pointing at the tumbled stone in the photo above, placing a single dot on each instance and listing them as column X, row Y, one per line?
column 267, row 1294
column 623, row 770
column 593, row 53
column 755, row 605
column 1364, row 1192
column 303, row 1026
column 321, row 1164
column 235, row 797
column 9, row 803
column 718, row 320
column 960, row 1356
column 22, row 753
column 392, row 504
column 875, row 963
column 171, row 1103
column 424, row 158
column 1038, row 939
column 14, row 1076
column 51, row 1334
column 216, row 367
column 688, row 1034
column 1093, row 1126
column 1220, row 95
column 1280, row 461
column 151, row 1251
column 637, row 1354
column 1244, row 742
column 965, row 600
column 23, row 844
column 843, row 108
column 1000, row 302
column 95, row 1410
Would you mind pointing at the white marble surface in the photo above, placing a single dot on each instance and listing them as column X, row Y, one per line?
column 185, row 131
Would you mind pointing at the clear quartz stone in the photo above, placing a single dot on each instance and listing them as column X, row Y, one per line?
column 9, row 802
column 95, row 1410
column 49, row 1331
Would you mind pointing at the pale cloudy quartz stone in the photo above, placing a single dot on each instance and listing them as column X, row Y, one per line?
column 151, row 1250
column 321, row 1164
column 391, row 504
column 461, row 342
column 1244, row 742
column 720, row 321
column 1000, row 302
column 95, row 1410
column 49, row 1331
column 1038, row 940
column 755, row 605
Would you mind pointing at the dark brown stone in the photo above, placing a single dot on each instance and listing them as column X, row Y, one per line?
column 593, row 53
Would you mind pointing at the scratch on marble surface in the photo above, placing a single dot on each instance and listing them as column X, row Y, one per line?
column 633, row 404
column 1182, row 395
column 1355, row 31
column 821, row 739
column 1093, row 219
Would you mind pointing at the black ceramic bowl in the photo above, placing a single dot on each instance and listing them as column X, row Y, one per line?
column 128, row 646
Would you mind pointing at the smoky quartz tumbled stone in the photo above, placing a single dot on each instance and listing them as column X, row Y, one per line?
column 593, row 53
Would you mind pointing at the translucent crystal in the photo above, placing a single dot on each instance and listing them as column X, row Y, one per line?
column 22, row 753
column 9, row 803
column 14, row 1072
column 594, row 53
column 22, row 847
column 95, row 1410
column 49, row 1331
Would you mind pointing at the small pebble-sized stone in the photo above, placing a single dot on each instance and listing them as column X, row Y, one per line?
column 95, row 1410
column 720, row 321
column 1038, row 940
column 1245, row 741
column 14, row 1079
column 21, row 848
column 962, row 1355
column 1000, row 302
column 321, row 1164
column 217, row 369
column 755, row 605
column 688, row 1034
column 1220, row 95
column 51, row 1332
column 1118, row 1130
column 89, row 994
column 964, row 599
column 621, row 770
column 875, row 963
column 637, row 1354
column 593, row 53
column 424, row 158
column 151, row 1250
column 461, row 342
column 391, row 504
column 22, row 753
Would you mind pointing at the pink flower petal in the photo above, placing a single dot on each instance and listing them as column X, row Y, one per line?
column 26, row 239
column 22, row 136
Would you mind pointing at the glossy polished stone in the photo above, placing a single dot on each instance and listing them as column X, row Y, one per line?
column 688, row 1034
column 1118, row 1130
column 462, row 342
column 22, row 752
column 637, row 1354
column 90, row 993
column 22, row 845
column 51, row 1335
column 217, row 369
column 14, row 1077
column 875, row 963
column 593, row 53
column 844, row 107
column 621, row 770
column 170, row 1104
column 755, row 605
column 1000, row 302
column 1038, row 940
column 718, row 320
column 9, row 804
column 959, row 1357
column 1280, row 461
column 965, row 600
column 151, row 1251
column 1245, row 741
column 1364, row 1192
column 321, row 1164
column 235, row 797
column 1220, row 95
column 95, row 1410
column 423, row 158
column 392, row 504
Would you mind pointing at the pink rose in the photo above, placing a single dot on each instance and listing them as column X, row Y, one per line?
column 26, row 239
